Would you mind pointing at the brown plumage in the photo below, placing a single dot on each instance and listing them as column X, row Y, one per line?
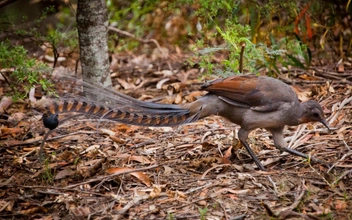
column 247, row 100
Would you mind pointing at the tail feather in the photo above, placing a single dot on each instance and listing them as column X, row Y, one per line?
column 115, row 106
column 112, row 97
column 146, row 116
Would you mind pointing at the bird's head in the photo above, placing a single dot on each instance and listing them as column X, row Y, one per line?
column 312, row 112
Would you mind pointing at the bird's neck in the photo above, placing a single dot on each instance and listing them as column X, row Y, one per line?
column 301, row 111
column 297, row 113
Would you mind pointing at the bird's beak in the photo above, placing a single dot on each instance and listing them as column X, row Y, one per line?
column 325, row 124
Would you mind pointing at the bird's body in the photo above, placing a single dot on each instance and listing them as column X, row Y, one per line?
column 247, row 100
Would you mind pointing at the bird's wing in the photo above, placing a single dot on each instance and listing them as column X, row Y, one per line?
column 250, row 91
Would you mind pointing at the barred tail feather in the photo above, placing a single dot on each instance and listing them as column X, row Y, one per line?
column 157, row 115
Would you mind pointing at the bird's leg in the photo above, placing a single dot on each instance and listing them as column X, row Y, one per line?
column 281, row 144
column 254, row 157
column 306, row 156
column 294, row 152
column 243, row 135
column 41, row 154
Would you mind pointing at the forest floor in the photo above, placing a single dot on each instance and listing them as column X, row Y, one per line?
column 107, row 170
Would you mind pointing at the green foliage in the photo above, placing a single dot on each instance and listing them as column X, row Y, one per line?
column 203, row 213
column 297, row 54
column 34, row 31
column 287, row 51
column 170, row 216
column 27, row 72
column 212, row 9
column 130, row 16
column 328, row 215
column 346, row 196
column 47, row 174
column 58, row 39
column 62, row 38
column 255, row 55
column 232, row 22
column 302, row 51
column 76, row 161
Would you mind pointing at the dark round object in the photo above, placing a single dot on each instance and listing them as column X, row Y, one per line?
column 51, row 121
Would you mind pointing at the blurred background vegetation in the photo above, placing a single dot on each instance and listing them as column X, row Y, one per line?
column 277, row 34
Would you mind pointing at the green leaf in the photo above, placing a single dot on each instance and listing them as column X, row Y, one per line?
column 296, row 62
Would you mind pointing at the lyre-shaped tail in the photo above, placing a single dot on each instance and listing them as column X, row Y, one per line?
column 147, row 114
column 112, row 105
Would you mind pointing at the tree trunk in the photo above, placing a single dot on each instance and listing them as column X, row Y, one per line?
column 92, row 25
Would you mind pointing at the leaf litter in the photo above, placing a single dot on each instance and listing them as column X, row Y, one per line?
column 99, row 169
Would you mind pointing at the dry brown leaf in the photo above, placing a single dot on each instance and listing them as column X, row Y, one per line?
column 10, row 131
column 141, row 60
column 306, row 138
column 232, row 196
column 168, row 99
column 23, row 124
column 302, row 93
column 32, row 210
column 175, row 194
column 227, row 190
column 167, row 170
column 341, row 68
column 178, row 99
column 49, row 217
column 340, row 205
column 227, row 155
column 307, row 77
column 6, row 205
column 140, row 159
column 193, row 96
column 90, row 167
column 126, row 128
column 5, row 103
column 107, row 131
column 156, row 191
column 160, row 84
column 145, row 97
column 331, row 89
column 80, row 210
column 175, row 87
column 64, row 173
column 203, row 194
column 160, row 53
column 139, row 175
column 117, row 140
column 125, row 84
column 122, row 156
column 181, row 194
column 18, row 116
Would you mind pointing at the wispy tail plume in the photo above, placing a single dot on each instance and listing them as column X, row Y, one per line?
column 120, row 108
